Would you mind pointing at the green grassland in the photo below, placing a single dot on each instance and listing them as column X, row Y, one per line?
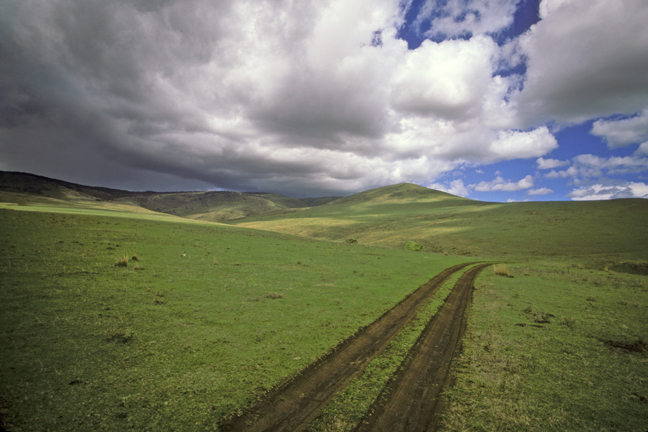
column 354, row 402
column 205, row 317
column 22, row 188
column 602, row 233
column 98, row 209
column 214, row 206
column 556, row 348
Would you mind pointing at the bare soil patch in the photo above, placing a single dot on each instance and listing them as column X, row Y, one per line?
column 293, row 405
column 411, row 402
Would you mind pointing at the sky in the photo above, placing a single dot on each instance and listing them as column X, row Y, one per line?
column 495, row 100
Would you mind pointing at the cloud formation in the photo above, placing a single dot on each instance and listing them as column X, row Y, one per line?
column 455, row 18
column 620, row 133
column 602, row 192
column 540, row 191
column 456, row 187
column 544, row 164
column 305, row 98
column 499, row 184
column 586, row 59
column 594, row 178
column 587, row 166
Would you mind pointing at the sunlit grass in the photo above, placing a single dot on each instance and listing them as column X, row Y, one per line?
column 464, row 227
column 501, row 270
column 349, row 407
column 172, row 341
column 103, row 209
column 536, row 355
column 211, row 316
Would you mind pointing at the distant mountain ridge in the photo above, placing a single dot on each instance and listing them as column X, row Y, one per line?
column 214, row 206
column 606, row 234
column 32, row 184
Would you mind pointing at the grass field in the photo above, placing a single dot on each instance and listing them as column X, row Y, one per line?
column 201, row 321
column 556, row 348
column 354, row 402
column 603, row 233
column 205, row 318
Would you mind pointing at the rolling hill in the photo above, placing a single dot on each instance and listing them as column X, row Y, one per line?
column 604, row 231
column 22, row 187
column 602, row 234
column 214, row 206
column 118, row 320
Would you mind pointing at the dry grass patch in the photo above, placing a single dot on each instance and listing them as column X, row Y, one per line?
column 501, row 270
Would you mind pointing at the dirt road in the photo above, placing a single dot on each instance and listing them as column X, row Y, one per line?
column 293, row 406
column 411, row 402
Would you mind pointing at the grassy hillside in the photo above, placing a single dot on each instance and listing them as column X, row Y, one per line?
column 214, row 206
column 603, row 234
column 555, row 348
column 314, row 202
column 199, row 321
column 401, row 193
column 603, row 231
column 21, row 188
column 24, row 186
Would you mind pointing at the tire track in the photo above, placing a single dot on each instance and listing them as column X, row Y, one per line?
column 292, row 406
column 411, row 402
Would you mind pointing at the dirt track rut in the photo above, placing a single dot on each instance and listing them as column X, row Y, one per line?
column 293, row 406
column 412, row 402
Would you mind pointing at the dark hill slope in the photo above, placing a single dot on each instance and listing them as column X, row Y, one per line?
column 39, row 186
column 23, row 188
column 314, row 202
column 215, row 206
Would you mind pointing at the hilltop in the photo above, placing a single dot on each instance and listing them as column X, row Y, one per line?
column 603, row 232
column 400, row 193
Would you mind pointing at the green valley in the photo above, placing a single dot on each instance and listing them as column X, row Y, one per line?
column 126, row 310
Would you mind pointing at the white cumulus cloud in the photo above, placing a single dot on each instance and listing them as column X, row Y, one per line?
column 455, row 187
column 514, row 144
column 499, row 184
column 540, row 191
column 605, row 192
column 544, row 164
column 569, row 172
column 619, row 133
column 447, row 79
column 309, row 97
column 586, row 59
column 589, row 166
column 467, row 17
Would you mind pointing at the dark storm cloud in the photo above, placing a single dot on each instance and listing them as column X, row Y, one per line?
column 294, row 97
column 180, row 88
